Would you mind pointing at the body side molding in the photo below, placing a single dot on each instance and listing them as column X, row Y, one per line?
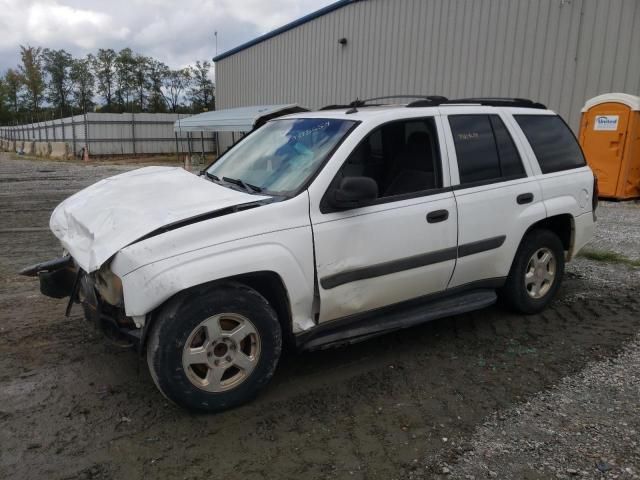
column 409, row 263
column 472, row 248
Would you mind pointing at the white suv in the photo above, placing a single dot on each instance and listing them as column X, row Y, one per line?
column 324, row 228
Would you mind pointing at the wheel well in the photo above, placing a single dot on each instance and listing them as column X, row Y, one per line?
column 561, row 225
column 266, row 283
column 270, row 286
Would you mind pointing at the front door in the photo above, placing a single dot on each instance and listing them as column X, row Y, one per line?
column 403, row 245
column 603, row 138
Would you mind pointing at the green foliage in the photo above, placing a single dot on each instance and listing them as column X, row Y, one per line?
column 173, row 86
column 32, row 76
column 156, row 73
column 57, row 65
column 83, row 81
column 103, row 64
column 125, row 65
column 201, row 91
column 608, row 256
column 5, row 113
column 141, row 80
column 13, row 84
column 51, row 83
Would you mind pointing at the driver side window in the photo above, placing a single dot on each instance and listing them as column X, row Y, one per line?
column 403, row 158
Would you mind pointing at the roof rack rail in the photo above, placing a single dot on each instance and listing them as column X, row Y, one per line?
column 333, row 107
column 357, row 103
column 498, row 102
column 431, row 100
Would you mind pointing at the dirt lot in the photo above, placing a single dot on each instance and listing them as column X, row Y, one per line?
column 489, row 394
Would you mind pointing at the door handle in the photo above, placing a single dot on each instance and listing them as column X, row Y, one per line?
column 437, row 216
column 524, row 198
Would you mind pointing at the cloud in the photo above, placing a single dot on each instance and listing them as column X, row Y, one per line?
column 52, row 22
column 177, row 33
column 49, row 22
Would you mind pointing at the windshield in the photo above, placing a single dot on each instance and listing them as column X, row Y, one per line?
column 281, row 156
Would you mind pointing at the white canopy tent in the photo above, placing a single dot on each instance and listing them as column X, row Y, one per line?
column 243, row 119
column 233, row 120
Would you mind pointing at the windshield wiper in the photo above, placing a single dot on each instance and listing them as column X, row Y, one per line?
column 247, row 186
column 211, row 176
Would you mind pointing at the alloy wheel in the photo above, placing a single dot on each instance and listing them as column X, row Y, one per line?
column 221, row 352
column 540, row 273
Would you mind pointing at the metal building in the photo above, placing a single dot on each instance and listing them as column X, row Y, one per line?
column 558, row 52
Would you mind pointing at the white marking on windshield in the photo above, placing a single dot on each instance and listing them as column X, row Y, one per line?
column 309, row 131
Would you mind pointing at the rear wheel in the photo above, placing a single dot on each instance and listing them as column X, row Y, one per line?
column 214, row 348
column 536, row 272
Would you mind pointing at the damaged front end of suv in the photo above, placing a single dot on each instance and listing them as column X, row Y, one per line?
column 100, row 293
column 98, row 225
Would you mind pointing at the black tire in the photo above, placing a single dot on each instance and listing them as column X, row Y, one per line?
column 177, row 322
column 515, row 293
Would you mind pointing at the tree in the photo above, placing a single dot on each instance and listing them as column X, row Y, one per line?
column 53, row 82
column 140, row 79
column 125, row 65
column 82, row 83
column 157, row 72
column 31, row 72
column 5, row 114
column 173, row 85
column 13, row 85
column 57, row 64
column 103, row 65
column 201, row 91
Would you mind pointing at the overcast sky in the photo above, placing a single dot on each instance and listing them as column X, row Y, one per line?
column 175, row 32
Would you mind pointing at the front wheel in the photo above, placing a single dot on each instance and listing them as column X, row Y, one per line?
column 536, row 272
column 214, row 348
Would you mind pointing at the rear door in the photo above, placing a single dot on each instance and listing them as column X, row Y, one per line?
column 561, row 171
column 496, row 198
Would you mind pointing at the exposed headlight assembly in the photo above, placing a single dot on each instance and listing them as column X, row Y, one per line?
column 109, row 286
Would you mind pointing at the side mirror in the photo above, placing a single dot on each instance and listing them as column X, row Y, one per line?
column 354, row 192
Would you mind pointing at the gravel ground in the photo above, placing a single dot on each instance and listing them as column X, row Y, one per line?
column 488, row 394
column 588, row 426
column 619, row 228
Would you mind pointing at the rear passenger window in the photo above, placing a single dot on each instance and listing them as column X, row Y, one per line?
column 510, row 161
column 484, row 149
column 552, row 141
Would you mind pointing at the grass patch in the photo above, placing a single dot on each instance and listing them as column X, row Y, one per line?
column 608, row 256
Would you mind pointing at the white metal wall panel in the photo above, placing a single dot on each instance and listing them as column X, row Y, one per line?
column 559, row 52
column 112, row 133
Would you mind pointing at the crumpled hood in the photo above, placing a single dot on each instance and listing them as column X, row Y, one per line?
column 98, row 221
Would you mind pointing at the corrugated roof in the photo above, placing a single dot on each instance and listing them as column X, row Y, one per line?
column 288, row 26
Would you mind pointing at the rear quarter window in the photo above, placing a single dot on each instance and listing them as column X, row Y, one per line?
column 552, row 141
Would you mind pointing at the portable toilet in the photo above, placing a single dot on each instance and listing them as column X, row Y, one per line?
column 610, row 138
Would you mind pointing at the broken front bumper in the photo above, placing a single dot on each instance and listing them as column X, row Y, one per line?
column 61, row 278
column 57, row 277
